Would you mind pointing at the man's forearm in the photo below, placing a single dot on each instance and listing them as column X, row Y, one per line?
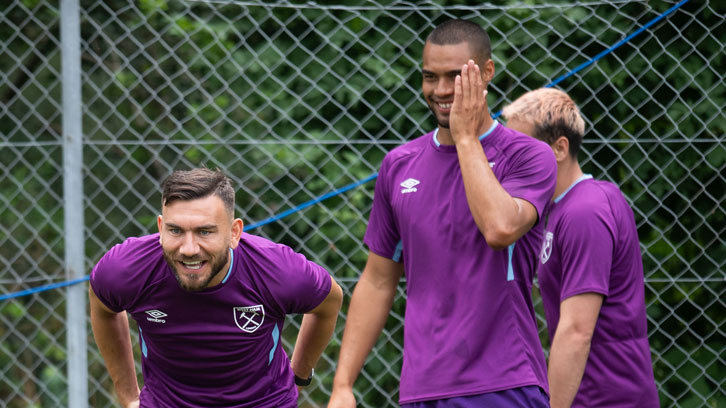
column 315, row 332
column 497, row 215
column 568, row 358
column 111, row 331
column 114, row 343
column 369, row 308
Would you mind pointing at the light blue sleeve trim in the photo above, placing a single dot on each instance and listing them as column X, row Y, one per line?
column 397, row 253
column 144, row 349
column 583, row 177
column 231, row 264
column 275, row 339
column 510, row 268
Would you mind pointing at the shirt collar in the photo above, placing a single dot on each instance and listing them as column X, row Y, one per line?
column 487, row 133
column 583, row 177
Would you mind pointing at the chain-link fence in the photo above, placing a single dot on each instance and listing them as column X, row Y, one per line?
column 294, row 99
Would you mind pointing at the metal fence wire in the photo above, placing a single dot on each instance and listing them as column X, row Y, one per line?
column 294, row 99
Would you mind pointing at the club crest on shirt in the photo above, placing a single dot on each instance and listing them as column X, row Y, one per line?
column 409, row 185
column 249, row 318
column 546, row 248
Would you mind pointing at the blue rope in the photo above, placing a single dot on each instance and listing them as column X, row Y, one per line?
column 246, row 228
column 614, row 47
column 375, row 175
column 43, row 288
column 311, row 202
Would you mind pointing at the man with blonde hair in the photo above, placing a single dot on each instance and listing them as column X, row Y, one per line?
column 590, row 272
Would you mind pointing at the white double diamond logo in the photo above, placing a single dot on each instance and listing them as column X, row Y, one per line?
column 409, row 185
column 156, row 316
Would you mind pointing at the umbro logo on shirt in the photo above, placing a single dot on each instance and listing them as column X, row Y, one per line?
column 409, row 186
column 155, row 316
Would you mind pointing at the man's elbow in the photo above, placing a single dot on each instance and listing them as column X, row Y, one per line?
column 577, row 336
column 500, row 238
column 337, row 295
column 332, row 303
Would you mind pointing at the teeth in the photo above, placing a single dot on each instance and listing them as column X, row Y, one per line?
column 445, row 105
column 193, row 265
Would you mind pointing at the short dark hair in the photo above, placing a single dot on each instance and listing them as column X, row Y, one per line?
column 192, row 184
column 457, row 31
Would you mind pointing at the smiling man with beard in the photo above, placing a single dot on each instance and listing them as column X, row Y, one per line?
column 458, row 211
column 210, row 302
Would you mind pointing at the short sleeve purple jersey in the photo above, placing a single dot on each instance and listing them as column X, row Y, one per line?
column 219, row 347
column 469, row 326
column 591, row 246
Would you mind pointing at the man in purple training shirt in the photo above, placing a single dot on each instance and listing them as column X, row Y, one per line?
column 210, row 302
column 458, row 209
column 591, row 272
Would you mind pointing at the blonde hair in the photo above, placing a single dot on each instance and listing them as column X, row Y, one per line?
column 552, row 113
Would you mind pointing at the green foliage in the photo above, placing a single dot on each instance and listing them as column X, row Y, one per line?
column 294, row 102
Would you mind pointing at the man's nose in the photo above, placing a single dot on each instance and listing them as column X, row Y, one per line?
column 444, row 87
column 189, row 245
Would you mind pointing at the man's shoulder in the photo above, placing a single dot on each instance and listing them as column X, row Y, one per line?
column 594, row 192
column 409, row 148
column 258, row 243
column 264, row 252
column 135, row 249
column 590, row 200
column 126, row 268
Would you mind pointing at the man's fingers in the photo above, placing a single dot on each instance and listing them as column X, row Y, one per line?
column 465, row 84
column 477, row 85
column 457, row 92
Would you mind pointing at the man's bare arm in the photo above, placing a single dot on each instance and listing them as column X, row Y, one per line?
column 111, row 331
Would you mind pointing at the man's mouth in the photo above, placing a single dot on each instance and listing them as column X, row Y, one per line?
column 193, row 265
column 443, row 107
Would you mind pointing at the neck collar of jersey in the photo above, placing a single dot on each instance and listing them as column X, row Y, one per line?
column 231, row 264
column 583, row 177
column 487, row 133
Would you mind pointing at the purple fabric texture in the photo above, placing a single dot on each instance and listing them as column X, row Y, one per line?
column 220, row 346
column 469, row 326
column 591, row 246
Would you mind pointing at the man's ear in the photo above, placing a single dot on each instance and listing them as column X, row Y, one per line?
column 237, row 228
column 487, row 71
column 561, row 148
column 159, row 223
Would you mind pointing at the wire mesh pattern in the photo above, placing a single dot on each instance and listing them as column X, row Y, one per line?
column 294, row 99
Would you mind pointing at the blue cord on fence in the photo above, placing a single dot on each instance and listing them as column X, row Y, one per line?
column 375, row 175
column 246, row 228
column 618, row 44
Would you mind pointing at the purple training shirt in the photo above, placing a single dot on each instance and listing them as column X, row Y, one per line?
column 219, row 346
column 591, row 246
column 470, row 326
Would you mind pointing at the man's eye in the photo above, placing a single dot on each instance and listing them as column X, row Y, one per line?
column 175, row 230
column 204, row 233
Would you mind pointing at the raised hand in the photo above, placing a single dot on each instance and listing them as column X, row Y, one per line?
column 469, row 112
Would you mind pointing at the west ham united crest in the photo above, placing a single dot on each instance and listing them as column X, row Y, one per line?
column 249, row 318
column 546, row 248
